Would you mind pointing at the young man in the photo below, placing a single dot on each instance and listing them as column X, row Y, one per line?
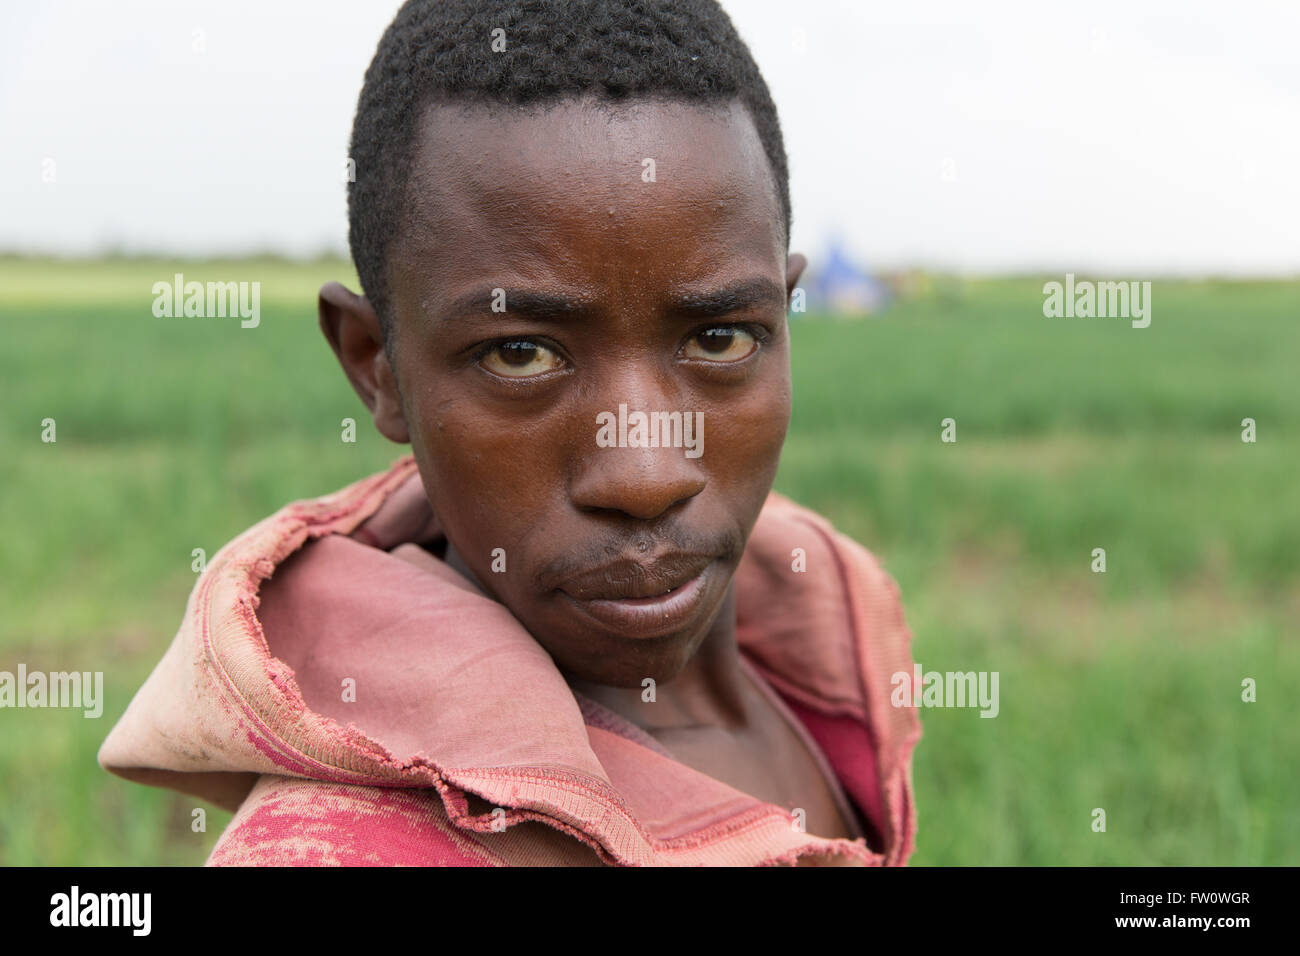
column 575, row 627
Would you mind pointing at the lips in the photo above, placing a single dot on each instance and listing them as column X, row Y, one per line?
column 643, row 600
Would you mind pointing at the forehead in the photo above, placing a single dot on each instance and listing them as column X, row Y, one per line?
column 680, row 189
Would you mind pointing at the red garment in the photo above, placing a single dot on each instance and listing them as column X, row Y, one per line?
column 464, row 745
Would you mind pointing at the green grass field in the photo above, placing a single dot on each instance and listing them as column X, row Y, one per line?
column 1119, row 690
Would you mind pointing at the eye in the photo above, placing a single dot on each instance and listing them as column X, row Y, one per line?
column 520, row 358
column 724, row 343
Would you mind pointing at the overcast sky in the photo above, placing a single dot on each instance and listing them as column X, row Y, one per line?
column 1124, row 137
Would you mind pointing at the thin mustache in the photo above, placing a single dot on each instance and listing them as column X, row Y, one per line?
column 628, row 579
column 628, row 556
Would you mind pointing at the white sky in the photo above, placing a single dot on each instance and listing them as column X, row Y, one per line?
column 1133, row 137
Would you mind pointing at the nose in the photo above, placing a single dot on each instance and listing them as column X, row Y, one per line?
column 631, row 478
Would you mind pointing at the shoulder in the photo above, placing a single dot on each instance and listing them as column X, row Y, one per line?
column 823, row 621
column 814, row 604
column 287, row 821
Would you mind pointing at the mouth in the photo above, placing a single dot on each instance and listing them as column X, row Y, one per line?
column 643, row 600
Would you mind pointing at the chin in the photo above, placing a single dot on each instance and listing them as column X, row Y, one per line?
column 620, row 662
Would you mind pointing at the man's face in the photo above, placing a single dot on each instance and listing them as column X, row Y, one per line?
column 547, row 275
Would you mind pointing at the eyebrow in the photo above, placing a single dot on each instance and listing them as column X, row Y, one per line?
column 525, row 302
column 732, row 298
column 546, row 305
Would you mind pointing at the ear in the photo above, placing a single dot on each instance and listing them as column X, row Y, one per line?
column 794, row 266
column 352, row 329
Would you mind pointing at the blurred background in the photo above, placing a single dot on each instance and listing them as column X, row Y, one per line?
column 946, row 159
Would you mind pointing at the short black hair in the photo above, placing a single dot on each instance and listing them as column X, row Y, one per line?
column 442, row 51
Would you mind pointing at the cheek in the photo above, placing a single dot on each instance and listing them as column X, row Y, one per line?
column 747, row 437
column 490, row 481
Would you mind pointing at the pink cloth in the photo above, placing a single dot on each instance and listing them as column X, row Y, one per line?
column 464, row 745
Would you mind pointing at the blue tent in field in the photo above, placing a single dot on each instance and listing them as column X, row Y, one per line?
column 841, row 287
